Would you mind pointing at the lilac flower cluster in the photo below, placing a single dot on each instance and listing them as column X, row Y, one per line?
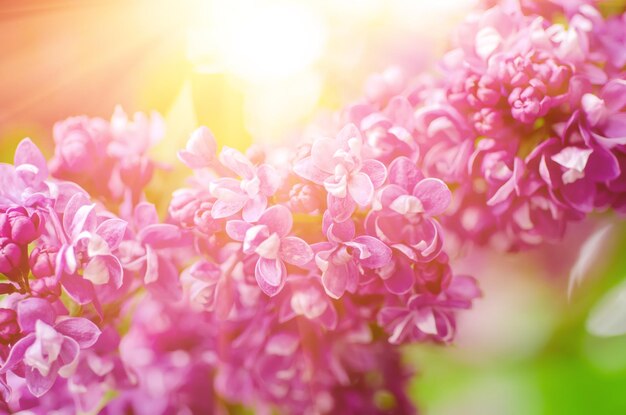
column 539, row 103
column 272, row 284
column 311, row 264
column 527, row 123
column 287, row 279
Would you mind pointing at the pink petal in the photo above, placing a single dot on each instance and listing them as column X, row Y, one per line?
column 602, row 166
column 434, row 195
column 67, row 257
column 463, row 287
column 329, row 319
column 340, row 209
column 376, row 254
column 236, row 229
column 80, row 329
column 167, row 286
column 295, row 251
column 37, row 384
column 27, row 153
column 404, row 173
column 376, row 171
column 401, row 279
column 79, row 215
column 278, row 219
column 400, row 110
column 270, row 275
column 336, row 279
column 509, row 186
column 160, row 235
column 573, row 158
column 361, row 189
column 224, row 209
column 614, row 94
column 30, row 310
column 306, row 169
column 337, row 231
column 97, row 271
column 152, row 266
column 322, row 152
column 145, row 214
column 16, row 353
column 68, row 357
column 200, row 149
column 78, row 288
column 253, row 208
column 112, row 231
column 580, row 195
column 270, row 179
column 347, row 133
column 103, row 269
column 254, row 237
column 390, row 193
column 236, row 162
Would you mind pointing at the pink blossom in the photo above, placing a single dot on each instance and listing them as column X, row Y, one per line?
column 249, row 194
column 49, row 349
column 338, row 165
column 269, row 239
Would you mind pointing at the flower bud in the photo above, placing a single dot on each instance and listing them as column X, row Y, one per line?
column 20, row 226
column 303, row 198
column 183, row 206
column 45, row 287
column 42, row 261
column 79, row 144
column 10, row 256
column 9, row 329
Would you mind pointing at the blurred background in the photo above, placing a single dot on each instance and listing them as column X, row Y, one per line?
column 258, row 71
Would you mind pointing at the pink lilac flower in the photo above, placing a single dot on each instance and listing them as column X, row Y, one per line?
column 283, row 304
column 339, row 166
column 525, row 120
column 50, row 346
column 24, row 183
column 343, row 257
column 86, row 244
column 268, row 238
column 248, row 194
column 107, row 158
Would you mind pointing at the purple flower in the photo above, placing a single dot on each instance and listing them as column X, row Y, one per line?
column 338, row 165
column 529, row 103
column 306, row 298
column 88, row 245
column 49, row 349
column 200, row 150
column 191, row 208
column 342, row 259
column 406, row 207
column 24, row 183
column 427, row 316
column 269, row 239
column 79, row 144
column 249, row 194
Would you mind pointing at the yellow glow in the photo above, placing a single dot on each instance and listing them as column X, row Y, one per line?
column 258, row 40
column 287, row 56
